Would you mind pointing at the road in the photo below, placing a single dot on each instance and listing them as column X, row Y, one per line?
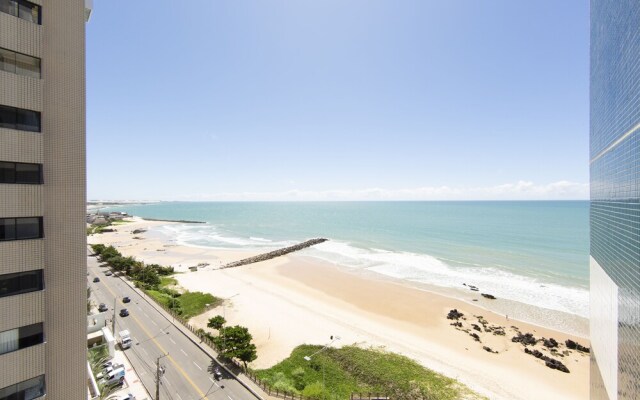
column 186, row 374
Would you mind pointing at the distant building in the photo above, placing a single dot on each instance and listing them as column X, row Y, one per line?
column 615, row 199
column 42, row 200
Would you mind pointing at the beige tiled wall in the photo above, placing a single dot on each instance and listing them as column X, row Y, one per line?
column 24, row 364
column 20, row 146
column 60, row 147
column 21, row 200
column 21, row 255
column 25, row 309
column 65, row 198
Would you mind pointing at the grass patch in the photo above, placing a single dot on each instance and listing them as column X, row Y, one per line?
column 194, row 303
column 188, row 304
column 352, row 369
column 120, row 222
column 168, row 281
column 160, row 297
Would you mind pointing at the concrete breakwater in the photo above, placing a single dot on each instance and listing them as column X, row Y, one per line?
column 275, row 253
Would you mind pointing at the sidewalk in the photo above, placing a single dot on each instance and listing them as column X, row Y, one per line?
column 133, row 384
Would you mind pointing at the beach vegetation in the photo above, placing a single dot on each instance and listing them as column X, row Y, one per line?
column 157, row 282
column 352, row 369
column 161, row 270
column 216, row 322
column 236, row 342
column 194, row 303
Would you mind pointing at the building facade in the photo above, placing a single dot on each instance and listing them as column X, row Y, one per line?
column 42, row 200
column 615, row 199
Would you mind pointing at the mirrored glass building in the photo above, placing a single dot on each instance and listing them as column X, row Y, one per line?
column 615, row 199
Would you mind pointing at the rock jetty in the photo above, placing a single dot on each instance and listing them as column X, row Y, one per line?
column 275, row 253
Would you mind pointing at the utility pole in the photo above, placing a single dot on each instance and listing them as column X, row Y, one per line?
column 159, row 373
column 113, row 320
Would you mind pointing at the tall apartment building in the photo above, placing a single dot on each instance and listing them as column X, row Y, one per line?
column 42, row 200
column 615, row 199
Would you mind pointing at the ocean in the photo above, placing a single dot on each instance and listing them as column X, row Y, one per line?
column 528, row 252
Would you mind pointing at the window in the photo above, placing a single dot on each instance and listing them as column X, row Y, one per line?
column 21, row 338
column 7, row 60
column 11, row 172
column 21, row 282
column 26, row 390
column 22, row 9
column 21, row 228
column 19, row 118
column 20, row 64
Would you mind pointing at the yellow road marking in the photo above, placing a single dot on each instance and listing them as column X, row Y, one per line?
column 153, row 339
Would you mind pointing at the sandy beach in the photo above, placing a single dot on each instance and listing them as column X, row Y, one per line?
column 292, row 300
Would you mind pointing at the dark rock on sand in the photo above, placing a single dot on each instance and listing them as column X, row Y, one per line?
column 488, row 296
column 475, row 336
column 550, row 343
column 548, row 361
column 454, row 314
column 476, row 327
column 576, row 346
column 526, row 339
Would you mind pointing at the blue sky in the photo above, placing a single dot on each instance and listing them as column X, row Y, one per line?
column 323, row 100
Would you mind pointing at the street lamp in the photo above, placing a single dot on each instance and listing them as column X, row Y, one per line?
column 308, row 358
column 224, row 316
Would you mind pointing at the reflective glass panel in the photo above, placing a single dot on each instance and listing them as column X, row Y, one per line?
column 27, row 120
column 7, row 172
column 29, row 12
column 9, row 7
column 28, row 173
column 7, row 229
column 7, row 117
column 28, row 228
column 7, row 60
column 27, row 66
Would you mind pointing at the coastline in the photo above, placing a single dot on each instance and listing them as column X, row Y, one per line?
column 294, row 299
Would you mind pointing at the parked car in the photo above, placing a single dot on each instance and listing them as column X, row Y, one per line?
column 108, row 273
column 115, row 377
column 122, row 397
column 108, row 369
column 126, row 299
column 124, row 312
column 103, row 307
column 96, row 279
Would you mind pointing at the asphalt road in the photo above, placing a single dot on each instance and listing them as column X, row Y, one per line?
column 187, row 375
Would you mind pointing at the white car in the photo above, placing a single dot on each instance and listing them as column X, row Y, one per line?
column 122, row 397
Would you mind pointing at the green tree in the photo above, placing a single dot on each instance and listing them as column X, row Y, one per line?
column 216, row 322
column 98, row 248
column 235, row 342
column 107, row 253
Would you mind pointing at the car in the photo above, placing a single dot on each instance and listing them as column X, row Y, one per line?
column 96, row 279
column 126, row 299
column 103, row 307
column 108, row 273
column 124, row 312
column 122, row 397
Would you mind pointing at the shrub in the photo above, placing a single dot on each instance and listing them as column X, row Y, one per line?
column 313, row 391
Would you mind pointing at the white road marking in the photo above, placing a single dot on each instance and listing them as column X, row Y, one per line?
column 153, row 322
column 171, row 340
column 178, row 396
column 184, row 352
column 194, row 363
column 229, row 397
column 139, row 308
column 142, row 349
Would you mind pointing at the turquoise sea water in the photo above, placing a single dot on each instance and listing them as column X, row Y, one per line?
column 530, row 252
